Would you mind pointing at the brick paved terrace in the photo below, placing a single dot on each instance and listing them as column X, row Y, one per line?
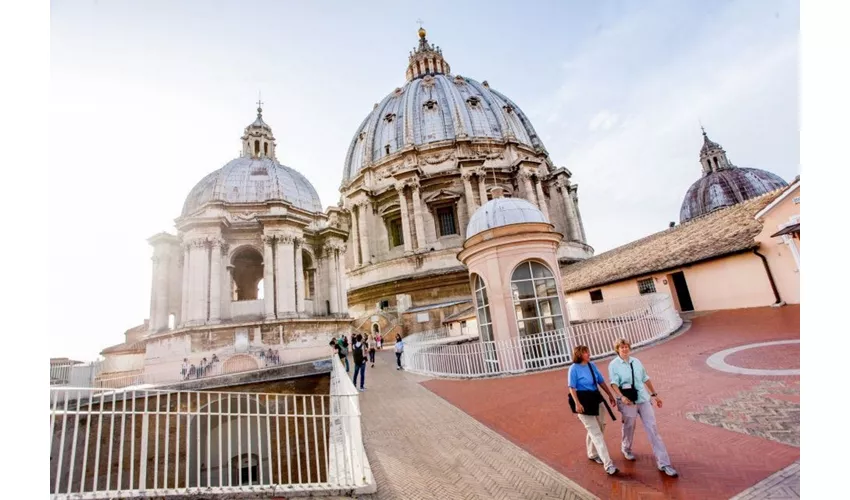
column 725, row 432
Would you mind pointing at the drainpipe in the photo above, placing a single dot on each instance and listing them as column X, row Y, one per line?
column 770, row 278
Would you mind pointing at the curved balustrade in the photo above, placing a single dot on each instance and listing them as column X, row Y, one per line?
column 643, row 320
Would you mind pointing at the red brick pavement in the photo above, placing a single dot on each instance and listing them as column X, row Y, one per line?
column 774, row 357
column 532, row 411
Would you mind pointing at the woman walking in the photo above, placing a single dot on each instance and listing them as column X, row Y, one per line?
column 584, row 381
column 372, row 352
column 399, row 350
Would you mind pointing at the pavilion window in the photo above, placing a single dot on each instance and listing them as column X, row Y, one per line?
column 646, row 286
column 256, row 147
column 446, row 220
column 536, row 301
column 596, row 296
column 485, row 325
column 266, row 148
column 396, row 234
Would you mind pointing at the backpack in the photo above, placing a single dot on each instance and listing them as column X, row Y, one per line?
column 343, row 350
column 358, row 354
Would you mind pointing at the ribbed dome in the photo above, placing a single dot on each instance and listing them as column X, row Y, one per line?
column 503, row 212
column 432, row 108
column 726, row 187
column 254, row 180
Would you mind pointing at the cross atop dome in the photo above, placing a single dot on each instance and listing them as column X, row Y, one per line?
column 258, row 140
column 426, row 59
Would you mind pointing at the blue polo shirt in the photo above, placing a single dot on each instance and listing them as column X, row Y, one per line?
column 619, row 372
column 580, row 378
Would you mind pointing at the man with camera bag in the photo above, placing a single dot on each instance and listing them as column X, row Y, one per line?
column 630, row 381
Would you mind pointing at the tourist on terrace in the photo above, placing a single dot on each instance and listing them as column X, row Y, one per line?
column 630, row 381
column 585, row 380
column 192, row 370
column 342, row 350
column 357, row 352
column 372, row 353
column 399, row 350
column 184, row 370
column 380, row 340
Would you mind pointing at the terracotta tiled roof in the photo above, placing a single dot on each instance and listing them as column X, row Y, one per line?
column 723, row 232
column 467, row 313
column 124, row 347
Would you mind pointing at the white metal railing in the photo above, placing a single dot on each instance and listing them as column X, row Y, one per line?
column 427, row 336
column 130, row 443
column 75, row 374
column 610, row 308
column 654, row 318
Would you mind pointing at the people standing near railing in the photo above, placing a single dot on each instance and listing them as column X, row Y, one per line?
column 399, row 350
column 192, row 370
column 630, row 381
column 359, row 356
column 184, row 369
column 342, row 350
column 584, row 381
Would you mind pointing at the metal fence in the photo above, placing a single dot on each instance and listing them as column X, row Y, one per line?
column 124, row 443
column 652, row 317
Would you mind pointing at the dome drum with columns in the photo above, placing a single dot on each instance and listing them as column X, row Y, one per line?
column 255, row 264
column 420, row 164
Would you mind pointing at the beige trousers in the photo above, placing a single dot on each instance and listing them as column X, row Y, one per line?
column 595, row 440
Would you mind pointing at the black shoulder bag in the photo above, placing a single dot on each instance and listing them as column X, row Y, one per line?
column 631, row 393
column 590, row 399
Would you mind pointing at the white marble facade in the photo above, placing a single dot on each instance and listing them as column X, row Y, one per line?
column 252, row 244
column 426, row 157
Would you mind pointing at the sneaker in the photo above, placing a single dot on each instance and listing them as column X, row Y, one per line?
column 628, row 455
column 595, row 459
column 611, row 470
column 362, row 389
column 670, row 471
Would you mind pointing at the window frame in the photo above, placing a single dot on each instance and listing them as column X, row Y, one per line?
column 390, row 221
column 601, row 296
column 641, row 288
column 438, row 223
column 555, row 314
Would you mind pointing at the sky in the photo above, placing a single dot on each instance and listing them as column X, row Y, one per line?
column 148, row 97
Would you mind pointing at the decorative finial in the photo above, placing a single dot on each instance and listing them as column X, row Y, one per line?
column 421, row 29
column 260, row 104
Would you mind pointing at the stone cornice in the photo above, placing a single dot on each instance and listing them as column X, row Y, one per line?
column 186, row 223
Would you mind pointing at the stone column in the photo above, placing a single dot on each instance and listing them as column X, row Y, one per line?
column 299, row 275
column 227, row 287
column 573, row 232
column 153, row 308
column 268, row 276
column 417, row 216
column 355, row 235
column 482, row 186
column 541, row 199
column 184, row 286
column 467, row 191
column 204, row 280
column 198, row 272
column 574, row 193
column 330, row 266
column 363, row 225
column 215, row 280
column 405, row 218
column 161, row 316
column 285, row 274
column 343, row 280
column 529, row 189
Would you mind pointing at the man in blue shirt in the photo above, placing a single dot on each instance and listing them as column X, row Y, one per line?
column 628, row 377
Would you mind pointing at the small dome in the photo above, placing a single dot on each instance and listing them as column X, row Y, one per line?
column 723, row 188
column 254, row 180
column 503, row 212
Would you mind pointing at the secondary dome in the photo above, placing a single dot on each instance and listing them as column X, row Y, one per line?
column 435, row 106
column 503, row 212
column 723, row 184
column 255, row 177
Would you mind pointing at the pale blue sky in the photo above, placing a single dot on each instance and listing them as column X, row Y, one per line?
column 147, row 97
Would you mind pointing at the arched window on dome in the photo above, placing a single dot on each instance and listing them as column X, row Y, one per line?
column 485, row 326
column 256, row 147
column 171, row 321
column 716, row 163
column 309, row 275
column 536, row 301
column 265, row 149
